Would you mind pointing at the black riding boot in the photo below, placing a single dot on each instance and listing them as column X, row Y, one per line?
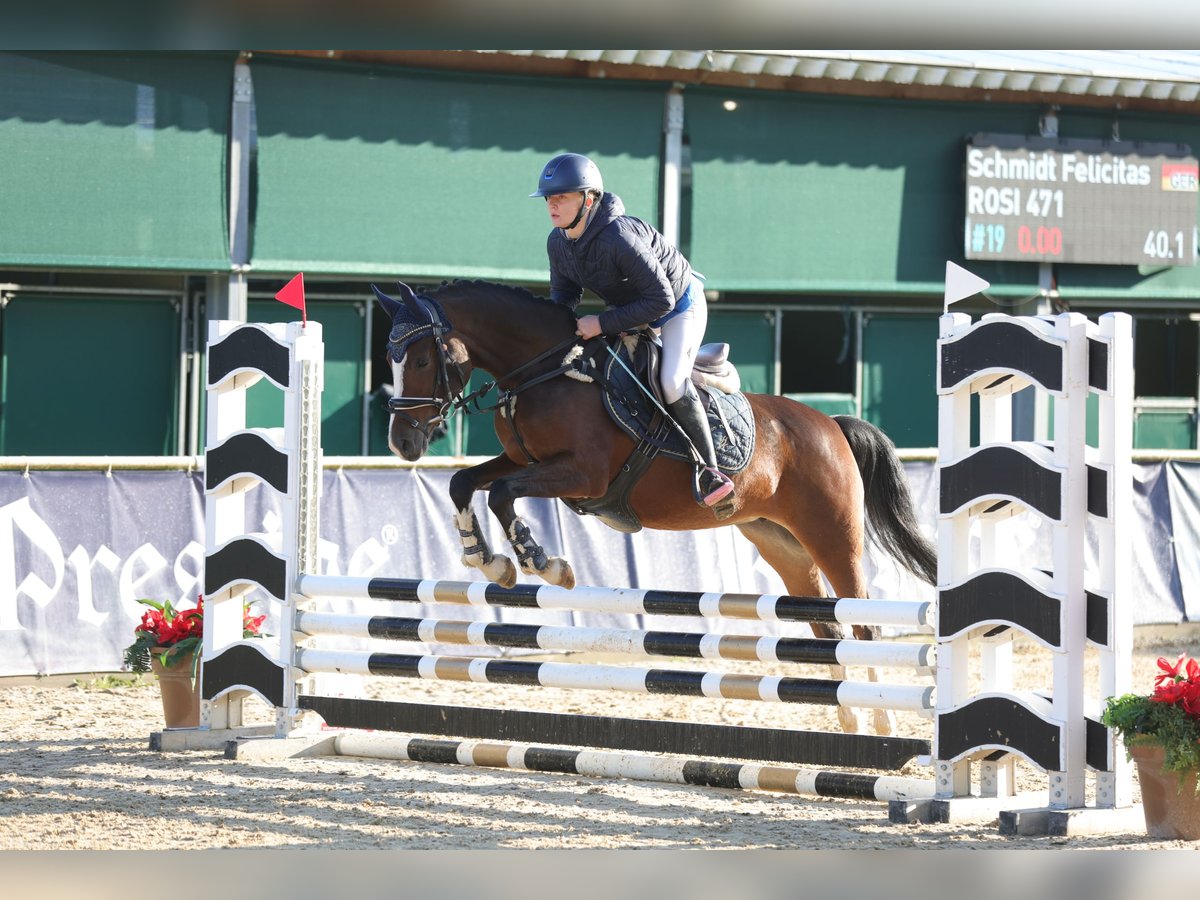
column 715, row 486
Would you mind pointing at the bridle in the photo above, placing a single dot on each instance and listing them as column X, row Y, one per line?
column 444, row 398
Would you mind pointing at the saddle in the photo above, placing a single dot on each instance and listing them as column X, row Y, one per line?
column 626, row 369
column 712, row 369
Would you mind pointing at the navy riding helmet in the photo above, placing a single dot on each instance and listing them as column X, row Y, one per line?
column 567, row 173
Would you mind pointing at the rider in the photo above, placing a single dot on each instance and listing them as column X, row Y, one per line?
column 643, row 280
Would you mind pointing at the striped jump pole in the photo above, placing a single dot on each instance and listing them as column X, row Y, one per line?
column 607, row 764
column 636, row 679
column 761, row 607
column 573, row 639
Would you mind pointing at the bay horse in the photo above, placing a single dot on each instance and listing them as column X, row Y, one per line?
column 800, row 499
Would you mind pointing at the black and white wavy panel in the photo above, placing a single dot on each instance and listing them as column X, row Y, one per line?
column 1001, row 722
column 252, row 349
column 1018, row 472
column 1098, row 618
column 1001, row 596
column 245, row 561
column 1099, row 491
column 1023, row 600
column 1020, row 724
column 1098, row 741
column 1099, row 377
column 249, row 455
column 244, row 666
column 1001, row 348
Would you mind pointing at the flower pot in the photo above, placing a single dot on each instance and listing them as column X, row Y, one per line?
column 1171, row 804
column 180, row 694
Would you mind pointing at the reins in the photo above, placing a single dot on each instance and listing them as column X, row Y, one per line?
column 472, row 403
column 508, row 398
column 462, row 401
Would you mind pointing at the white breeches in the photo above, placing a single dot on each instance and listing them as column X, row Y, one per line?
column 681, row 338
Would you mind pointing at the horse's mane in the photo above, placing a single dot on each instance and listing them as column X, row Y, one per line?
column 488, row 290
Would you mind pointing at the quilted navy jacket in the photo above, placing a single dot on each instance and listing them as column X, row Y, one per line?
column 624, row 261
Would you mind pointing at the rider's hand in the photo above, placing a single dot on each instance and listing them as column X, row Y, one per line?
column 587, row 326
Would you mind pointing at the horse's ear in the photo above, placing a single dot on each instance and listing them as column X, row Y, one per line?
column 390, row 306
column 410, row 300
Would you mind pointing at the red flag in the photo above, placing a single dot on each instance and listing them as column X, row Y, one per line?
column 293, row 295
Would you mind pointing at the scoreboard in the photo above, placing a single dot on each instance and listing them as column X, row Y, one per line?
column 1040, row 199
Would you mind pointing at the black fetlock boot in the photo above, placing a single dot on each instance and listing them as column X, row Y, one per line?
column 714, row 485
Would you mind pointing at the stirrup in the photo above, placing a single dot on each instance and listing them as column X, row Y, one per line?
column 708, row 477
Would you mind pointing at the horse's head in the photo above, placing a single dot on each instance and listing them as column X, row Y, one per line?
column 429, row 367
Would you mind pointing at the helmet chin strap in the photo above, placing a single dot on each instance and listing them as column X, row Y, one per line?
column 583, row 208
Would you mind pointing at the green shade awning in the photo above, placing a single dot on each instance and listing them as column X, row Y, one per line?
column 390, row 171
column 114, row 160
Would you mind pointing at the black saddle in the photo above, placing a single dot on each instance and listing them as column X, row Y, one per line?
column 711, row 369
column 629, row 379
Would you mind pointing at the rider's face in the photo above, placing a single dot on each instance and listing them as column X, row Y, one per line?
column 563, row 208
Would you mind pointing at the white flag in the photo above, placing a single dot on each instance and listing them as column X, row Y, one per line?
column 961, row 284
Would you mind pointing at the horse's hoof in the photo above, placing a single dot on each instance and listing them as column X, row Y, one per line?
column 559, row 572
column 848, row 719
column 499, row 570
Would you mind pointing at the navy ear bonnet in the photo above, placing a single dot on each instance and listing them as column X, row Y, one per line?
column 413, row 317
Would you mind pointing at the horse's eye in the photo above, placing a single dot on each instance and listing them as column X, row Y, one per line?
column 422, row 362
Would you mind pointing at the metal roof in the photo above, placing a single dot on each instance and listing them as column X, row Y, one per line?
column 1157, row 75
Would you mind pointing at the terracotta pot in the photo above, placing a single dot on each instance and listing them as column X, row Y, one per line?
column 180, row 694
column 1171, row 805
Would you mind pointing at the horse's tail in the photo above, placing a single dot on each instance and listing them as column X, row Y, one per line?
column 891, row 520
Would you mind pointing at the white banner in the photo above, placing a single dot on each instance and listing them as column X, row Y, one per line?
column 78, row 548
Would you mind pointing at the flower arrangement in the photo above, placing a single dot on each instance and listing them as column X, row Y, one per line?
column 1169, row 717
column 180, row 631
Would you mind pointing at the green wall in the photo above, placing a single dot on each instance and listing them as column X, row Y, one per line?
column 86, row 376
column 899, row 377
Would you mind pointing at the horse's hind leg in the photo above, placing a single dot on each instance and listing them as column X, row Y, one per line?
column 838, row 554
column 788, row 557
column 476, row 552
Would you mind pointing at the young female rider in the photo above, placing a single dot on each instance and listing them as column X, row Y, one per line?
column 643, row 280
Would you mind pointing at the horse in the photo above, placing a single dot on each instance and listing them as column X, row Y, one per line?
column 814, row 486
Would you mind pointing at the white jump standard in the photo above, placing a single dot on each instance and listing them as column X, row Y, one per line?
column 1065, row 483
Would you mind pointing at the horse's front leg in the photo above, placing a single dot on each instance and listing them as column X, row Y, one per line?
column 476, row 552
column 557, row 477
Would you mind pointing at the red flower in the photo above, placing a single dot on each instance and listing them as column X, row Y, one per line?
column 1179, row 685
column 180, row 631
